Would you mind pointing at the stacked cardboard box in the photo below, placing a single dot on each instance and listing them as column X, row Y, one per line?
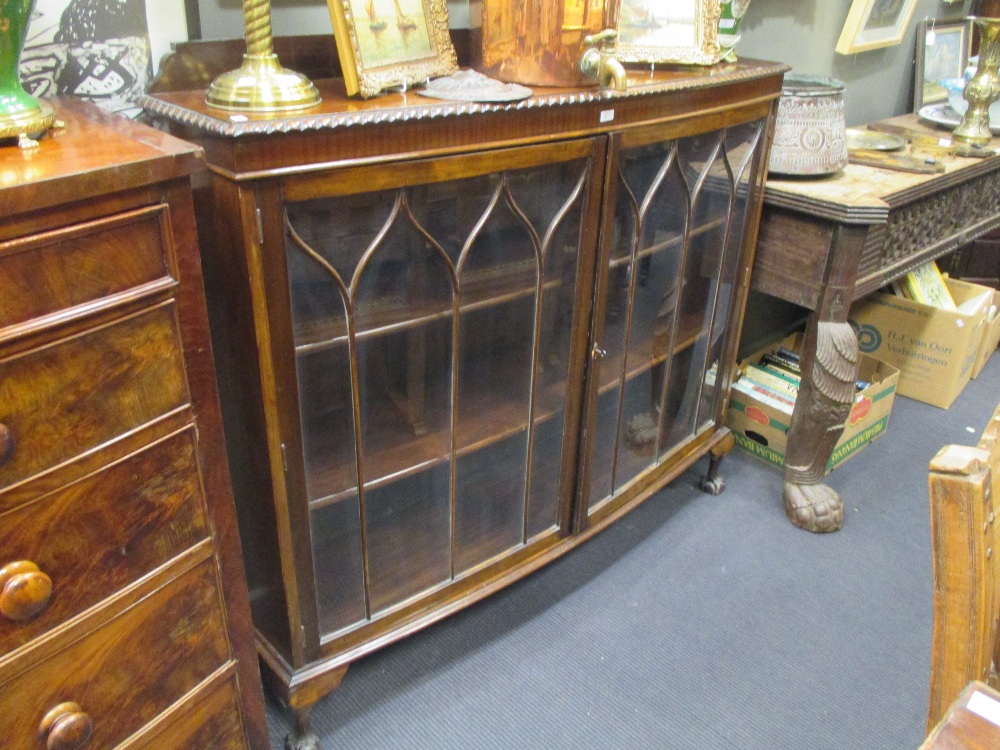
column 760, row 420
column 935, row 349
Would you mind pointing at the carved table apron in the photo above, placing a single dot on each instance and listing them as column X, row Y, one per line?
column 826, row 242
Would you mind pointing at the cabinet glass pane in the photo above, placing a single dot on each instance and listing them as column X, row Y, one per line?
column 432, row 326
column 742, row 143
column 709, row 182
column 678, row 229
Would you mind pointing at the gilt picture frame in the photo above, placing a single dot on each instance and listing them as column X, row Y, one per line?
column 386, row 44
column 942, row 52
column 669, row 31
column 872, row 24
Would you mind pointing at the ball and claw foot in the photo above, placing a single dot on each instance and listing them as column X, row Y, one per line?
column 813, row 507
column 307, row 741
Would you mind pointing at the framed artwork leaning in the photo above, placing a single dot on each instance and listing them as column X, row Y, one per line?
column 669, row 31
column 942, row 52
column 384, row 44
column 872, row 24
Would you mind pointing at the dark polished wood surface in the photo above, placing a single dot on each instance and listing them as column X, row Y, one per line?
column 124, row 612
column 826, row 242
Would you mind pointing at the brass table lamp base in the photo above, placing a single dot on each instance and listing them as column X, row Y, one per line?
column 262, row 85
column 26, row 124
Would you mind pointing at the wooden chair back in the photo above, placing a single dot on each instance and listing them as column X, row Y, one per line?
column 963, row 484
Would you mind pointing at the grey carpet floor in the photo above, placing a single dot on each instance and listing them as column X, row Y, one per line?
column 695, row 623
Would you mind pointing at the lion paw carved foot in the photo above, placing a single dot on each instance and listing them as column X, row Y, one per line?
column 813, row 507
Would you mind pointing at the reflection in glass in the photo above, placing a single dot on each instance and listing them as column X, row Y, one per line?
column 675, row 244
column 432, row 328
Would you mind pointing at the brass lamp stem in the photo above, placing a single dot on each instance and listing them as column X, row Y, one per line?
column 257, row 22
column 261, row 84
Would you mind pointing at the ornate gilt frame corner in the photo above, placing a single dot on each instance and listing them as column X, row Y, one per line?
column 369, row 79
column 706, row 50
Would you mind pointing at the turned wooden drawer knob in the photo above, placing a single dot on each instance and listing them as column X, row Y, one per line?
column 6, row 443
column 66, row 727
column 24, row 590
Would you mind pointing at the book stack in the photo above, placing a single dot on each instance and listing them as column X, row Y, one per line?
column 775, row 379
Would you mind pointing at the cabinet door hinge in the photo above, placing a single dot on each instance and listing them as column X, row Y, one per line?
column 284, row 458
column 260, row 227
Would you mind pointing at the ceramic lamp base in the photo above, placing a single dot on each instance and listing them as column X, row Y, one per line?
column 262, row 85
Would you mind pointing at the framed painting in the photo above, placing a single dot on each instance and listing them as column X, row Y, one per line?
column 872, row 24
column 943, row 49
column 385, row 44
column 669, row 31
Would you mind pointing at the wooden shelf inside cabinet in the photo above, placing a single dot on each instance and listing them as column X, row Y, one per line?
column 468, row 404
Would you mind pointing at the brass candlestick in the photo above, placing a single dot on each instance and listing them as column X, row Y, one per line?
column 261, row 84
column 984, row 87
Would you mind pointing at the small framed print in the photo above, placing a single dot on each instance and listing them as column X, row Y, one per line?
column 669, row 31
column 872, row 24
column 942, row 52
column 384, row 44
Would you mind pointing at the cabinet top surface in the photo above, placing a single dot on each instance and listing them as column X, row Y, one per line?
column 94, row 153
column 863, row 194
column 336, row 110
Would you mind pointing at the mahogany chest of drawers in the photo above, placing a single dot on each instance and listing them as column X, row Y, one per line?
column 124, row 617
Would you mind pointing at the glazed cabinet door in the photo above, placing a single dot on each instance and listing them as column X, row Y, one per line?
column 437, row 316
column 674, row 243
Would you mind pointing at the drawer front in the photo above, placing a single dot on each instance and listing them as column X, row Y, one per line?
column 83, row 264
column 123, row 675
column 98, row 535
column 74, row 395
column 209, row 721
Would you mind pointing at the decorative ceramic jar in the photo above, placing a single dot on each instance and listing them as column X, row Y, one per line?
column 809, row 133
column 21, row 115
column 729, row 24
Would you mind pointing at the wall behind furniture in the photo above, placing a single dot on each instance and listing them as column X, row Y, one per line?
column 801, row 33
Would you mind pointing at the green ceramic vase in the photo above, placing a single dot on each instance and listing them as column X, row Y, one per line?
column 21, row 114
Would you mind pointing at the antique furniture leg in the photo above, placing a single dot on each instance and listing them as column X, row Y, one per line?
column 302, row 736
column 714, row 484
column 829, row 370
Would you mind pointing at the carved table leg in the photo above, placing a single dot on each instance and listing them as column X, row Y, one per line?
column 714, row 484
column 829, row 371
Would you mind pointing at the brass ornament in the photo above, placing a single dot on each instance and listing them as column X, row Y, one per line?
column 984, row 86
column 261, row 84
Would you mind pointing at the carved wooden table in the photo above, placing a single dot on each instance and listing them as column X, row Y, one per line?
column 826, row 242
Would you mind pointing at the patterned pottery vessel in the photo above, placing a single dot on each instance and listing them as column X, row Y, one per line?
column 810, row 133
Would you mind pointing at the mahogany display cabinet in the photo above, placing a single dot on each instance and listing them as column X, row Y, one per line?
column 455, row 340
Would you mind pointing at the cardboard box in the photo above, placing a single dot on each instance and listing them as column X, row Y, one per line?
column 761, row 429
column 991, row 335
column 933, row 348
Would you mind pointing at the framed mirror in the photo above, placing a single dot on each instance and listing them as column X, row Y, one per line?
column 669, row 31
